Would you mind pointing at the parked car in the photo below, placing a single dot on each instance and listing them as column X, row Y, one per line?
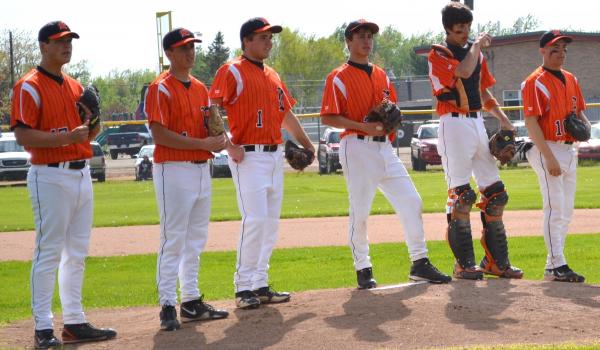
column 148, row 151
column 14, row 160
column 591, row 148
column 97, row 163
column 129, row 139
column 328, row 151
column 219, row 166
column 423, row 147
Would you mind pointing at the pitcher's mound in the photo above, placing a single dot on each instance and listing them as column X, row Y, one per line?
column 407, row 316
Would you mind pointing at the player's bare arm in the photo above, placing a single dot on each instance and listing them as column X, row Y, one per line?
column 499, row 114
column 537, row 136
column 338, row 121
column 583, row 117
column 293, row 126
column 468, row 64
column 236, row 152
column 168, row 138
column 45, row 139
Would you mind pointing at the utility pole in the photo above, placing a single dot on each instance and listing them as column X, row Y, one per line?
column 12, row 60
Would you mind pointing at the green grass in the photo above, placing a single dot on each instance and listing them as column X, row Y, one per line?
column 124, row 203
column 130, row 280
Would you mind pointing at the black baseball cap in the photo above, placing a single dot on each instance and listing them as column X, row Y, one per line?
column 178, row 37
column 55, row 30
column 552, row 36
column 258, row 25
column 356, row 25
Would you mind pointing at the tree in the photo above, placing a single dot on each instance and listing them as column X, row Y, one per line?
column 79, row 71
column 208, row 63
column 521, row 25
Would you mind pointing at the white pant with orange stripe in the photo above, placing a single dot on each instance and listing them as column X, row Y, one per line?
column 258, row 181
column 558, row 194
column 62, row 203
column 464, row 147
column 369, row 165
column 183, row 194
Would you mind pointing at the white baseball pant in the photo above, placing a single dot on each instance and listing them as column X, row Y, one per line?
column 62, row 201
column 183, row 194
column 558, row 195
column 368, row 165
column 258, row 181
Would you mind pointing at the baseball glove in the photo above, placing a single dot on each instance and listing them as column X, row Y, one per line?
column 386, row 113
column 91, row 99
column 577, row 128
column 502, row 146
column 299, row 158
column 215, row 123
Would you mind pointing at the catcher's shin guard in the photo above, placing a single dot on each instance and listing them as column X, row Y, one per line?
column 493, row 236
column 459, row 235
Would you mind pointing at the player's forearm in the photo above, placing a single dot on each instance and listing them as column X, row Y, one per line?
column 537, row 136
column 41, row 139
column 293, row 126
column 466, row 67
column 583, row 117
column 341, row 122
column 168, row 138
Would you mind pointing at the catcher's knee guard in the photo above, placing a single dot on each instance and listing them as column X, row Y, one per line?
column 493, row 237
column 459, row 235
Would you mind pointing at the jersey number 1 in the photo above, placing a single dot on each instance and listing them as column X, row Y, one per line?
column 259, row 121
column 559, row 127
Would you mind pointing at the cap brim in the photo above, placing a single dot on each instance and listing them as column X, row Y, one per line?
column 566, row 38
column 372, row 26
column 63, row 34
column 269, row 28
column 185, row 41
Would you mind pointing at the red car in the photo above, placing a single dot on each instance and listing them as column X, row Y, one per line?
column 591, row 148
column 423, row 147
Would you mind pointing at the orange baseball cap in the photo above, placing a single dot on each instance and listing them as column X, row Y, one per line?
column 55, row 30
column 178, row 37
column 552, row 36
column 258, row 25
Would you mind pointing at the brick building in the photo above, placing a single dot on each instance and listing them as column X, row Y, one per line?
column 512, row 57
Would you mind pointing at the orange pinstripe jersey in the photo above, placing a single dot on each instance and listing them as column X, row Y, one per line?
column 183, row 110
column 256, row 100
column 350, row 92
column 442, row 66
column 546, row 96
column 48, row 103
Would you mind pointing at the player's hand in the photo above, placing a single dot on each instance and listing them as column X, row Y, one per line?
column 312, row 149
column 506, row 125
column 373, row 129
column 483, row 40
column 553, row 166
column 214, row 143
column 236, row 153
column 80, row 133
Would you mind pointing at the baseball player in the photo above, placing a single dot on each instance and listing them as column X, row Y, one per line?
column 176, row 105
column 46, row 120
column 258, row 104
column 367, row 157
column 551, row 93
column 460, row 80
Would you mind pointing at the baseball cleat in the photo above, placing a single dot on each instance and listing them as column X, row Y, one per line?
column 365, row 278
column 168, row 318
column 493, row 269
column 563, row 274
column 469, row 273
column 268, row 295
column 198, row 310
column 423, row 270
column 84, row 332
column 246, row 299
column 45, row 339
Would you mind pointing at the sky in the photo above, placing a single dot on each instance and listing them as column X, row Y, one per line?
column 122, row 34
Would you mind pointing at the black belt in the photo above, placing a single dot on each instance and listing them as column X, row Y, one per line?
column 265, row 148
column 74, row 165
column 198, row 161
column 568, row 142
column 468, row 115
column 374, row 138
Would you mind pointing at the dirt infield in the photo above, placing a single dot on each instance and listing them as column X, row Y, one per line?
column 409, row 316
column 223, row 236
